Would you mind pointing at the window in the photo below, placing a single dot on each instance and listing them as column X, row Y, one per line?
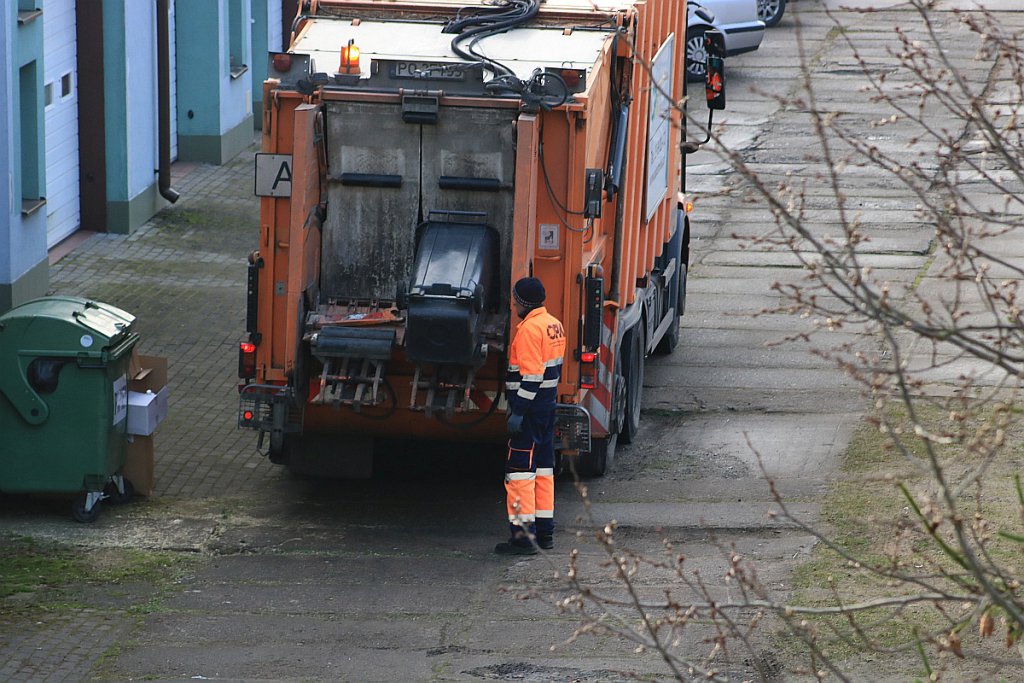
column 29, row 137
column 49, row 95
column 236, row 38
column 28, row 11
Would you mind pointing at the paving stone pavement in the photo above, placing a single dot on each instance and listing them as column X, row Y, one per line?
column 59, row 648
column 183, row 276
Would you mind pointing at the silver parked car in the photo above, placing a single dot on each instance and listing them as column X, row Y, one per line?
column 736, row 19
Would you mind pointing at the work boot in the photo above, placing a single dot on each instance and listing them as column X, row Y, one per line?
column 546, row 542
column 511, row 547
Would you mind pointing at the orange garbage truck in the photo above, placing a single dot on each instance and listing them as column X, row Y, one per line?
column 419, row 157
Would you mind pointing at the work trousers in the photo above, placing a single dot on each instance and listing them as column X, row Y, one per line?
column 530, row 476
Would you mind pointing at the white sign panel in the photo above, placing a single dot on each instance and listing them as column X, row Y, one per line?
column 120, row 399
column 548, row 236
column 659, row 126
column 273, row 175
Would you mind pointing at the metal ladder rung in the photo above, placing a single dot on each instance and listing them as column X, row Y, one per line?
column 345, row 385
column 441, row 395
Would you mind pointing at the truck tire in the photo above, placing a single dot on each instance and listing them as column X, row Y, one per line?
column 670, row 341
column 633, row 372
column 597, row 461
column 279, row 454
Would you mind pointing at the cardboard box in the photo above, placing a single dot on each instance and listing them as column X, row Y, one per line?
column 139, row 464
column 147, row 376
column 146, row 411
column 146, row 373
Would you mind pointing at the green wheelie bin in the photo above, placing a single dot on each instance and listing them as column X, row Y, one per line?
column 64, row 400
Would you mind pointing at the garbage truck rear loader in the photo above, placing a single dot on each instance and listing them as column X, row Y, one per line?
column 420, row 157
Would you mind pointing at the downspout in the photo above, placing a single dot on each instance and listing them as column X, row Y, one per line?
column 163, row 68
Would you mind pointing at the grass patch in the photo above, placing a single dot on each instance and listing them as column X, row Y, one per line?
column 872, row 524
column 29, row 566
column 834, row 32
column 45, row 575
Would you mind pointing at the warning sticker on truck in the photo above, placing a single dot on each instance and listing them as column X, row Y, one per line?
column 273, row 175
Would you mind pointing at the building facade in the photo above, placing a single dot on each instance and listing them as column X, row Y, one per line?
column 100, row 96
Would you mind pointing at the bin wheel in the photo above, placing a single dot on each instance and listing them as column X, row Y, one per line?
column 79, row 511
column 115, row 496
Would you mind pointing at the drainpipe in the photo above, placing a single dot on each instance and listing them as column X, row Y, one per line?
column 163, row 68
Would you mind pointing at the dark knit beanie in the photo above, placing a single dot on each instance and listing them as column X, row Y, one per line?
column 529, row 292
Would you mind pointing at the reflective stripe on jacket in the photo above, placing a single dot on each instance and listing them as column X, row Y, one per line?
column 535, row 362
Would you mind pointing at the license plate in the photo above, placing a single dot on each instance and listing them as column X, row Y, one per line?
column 428, row 71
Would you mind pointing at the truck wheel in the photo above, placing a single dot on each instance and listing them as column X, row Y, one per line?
column 670, row 341
column 597, row 461
column 617, row 418
column 633, row 360
column 281, row 454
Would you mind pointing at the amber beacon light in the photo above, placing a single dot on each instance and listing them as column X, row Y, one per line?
column 349, row 58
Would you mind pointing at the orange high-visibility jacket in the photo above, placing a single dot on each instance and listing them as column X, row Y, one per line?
column 535, row 362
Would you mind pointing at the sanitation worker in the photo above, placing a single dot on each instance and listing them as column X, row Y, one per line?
column 534, row 368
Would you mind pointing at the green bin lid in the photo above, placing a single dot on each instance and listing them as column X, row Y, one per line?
column 65, row 325
column 61, row 327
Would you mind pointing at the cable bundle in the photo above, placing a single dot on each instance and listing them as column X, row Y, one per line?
column 489, row 21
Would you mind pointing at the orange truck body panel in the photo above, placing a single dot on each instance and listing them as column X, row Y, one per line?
column 325, row 130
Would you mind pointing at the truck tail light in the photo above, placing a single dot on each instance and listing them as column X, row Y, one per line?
column 282, row 62
column 588, row 370
column 246, row 360
column 349, row 59
column 572, row 78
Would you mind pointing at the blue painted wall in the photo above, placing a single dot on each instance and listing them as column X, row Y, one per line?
column 266, row 37
column 6, row 141
column 199, row 65
column 211, row 104
column 141, row 93
column 130, row 110
column 236, row 93
column 211, row 100
column 22, row 238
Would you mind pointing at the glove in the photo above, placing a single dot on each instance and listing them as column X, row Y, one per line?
column 514, row 423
